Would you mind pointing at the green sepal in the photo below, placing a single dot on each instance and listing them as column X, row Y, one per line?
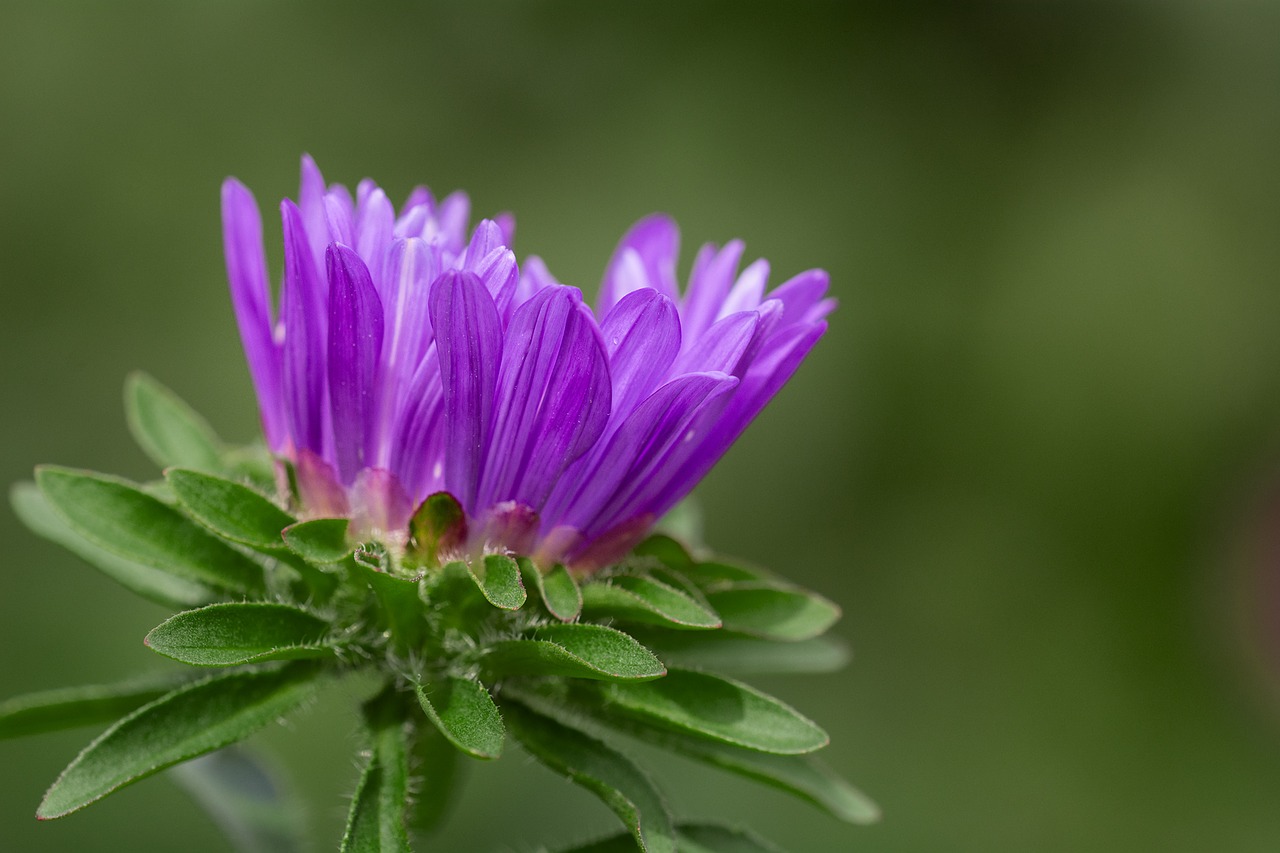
column 439, row 524
column 629, row 598
column 247, row 802
column 168, row 430
column 322, row 541
column 73, row 707
column 153, row 584
column 739, row 654
column 500, row 582
column 116, row 515
column 773, row 611
column 575, row 651
column 464, row 712
column 717, row 708
column 690, row 838
column 715, row 574
column 399, row 606
column 603, row 771
column 439, row 776
column 232, row 510
column 190, row 721
column 376, row 822
column 236, row 633
column 557, row 589
column 666, row 550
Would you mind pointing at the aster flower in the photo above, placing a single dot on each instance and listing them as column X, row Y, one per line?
column 468, row 461
column 407, row 360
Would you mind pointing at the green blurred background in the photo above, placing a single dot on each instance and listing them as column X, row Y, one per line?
column 1032, row 459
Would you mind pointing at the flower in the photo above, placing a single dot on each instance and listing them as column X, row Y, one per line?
column 407, row 360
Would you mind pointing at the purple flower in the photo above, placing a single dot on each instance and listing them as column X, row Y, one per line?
column 407, row 359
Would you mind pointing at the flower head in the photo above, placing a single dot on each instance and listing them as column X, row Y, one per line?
column 407, row 359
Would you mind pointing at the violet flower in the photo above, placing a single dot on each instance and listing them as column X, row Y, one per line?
column 406, row 359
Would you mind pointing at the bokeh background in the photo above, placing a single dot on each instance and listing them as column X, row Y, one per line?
column 1035, row 459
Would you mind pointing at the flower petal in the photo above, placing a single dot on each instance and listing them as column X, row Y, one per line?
column 251, row 300
column 374, row 224
column 720, row 347
column 645, row 257
column 642, row 337
column 747, row 292
column 303, row 308
column 553, row 397
column 355, row 348
column 469, row 342
column 709, row 285
column 418, row 443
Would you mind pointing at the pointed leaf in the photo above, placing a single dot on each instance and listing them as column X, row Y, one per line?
column 244, row 800
column 399, row 606
column 153, row 584
column 712, row 838
column 501, row 584
column 188, row 722
column 557, row 589
column 376, row 821
column 119, row 517
column 666, row 550
column 464, row 713
column 732, row 654
column 635, row 599
column 714, row 574
column 167, row 429
column 773, row 611
column 232, row 510
column 320, row 540
column 72, row 707
column 717, row 708
column 438, row 524
column 575, row 651
column 439, row 778
column 608, row 774
column 235, row 633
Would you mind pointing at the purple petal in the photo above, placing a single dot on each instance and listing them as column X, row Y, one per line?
column 634, row 464
column 380, row 507
column 304, row 312
column 338, row 220
column 769, row 373
column 800, row 294
column 375, row 222
column 452, row 216
column 642, row 337
column 720, row 347
column 709, row 285
column 410, row 269
column 645, row 257
column 486, row 238
column 319, row 491
column 469, row 341
column 507, row 223
column 311, row 193
column 553, row 397
column 748, row 291
column 355, row 347
column 418, row 441
column 418, row 196
column 501, row 277
column 251, row 299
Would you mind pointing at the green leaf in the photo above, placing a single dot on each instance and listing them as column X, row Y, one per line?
column 739, row 654
column 235, row 633
column 608, row 774
column 636, row 599
column 244, row 800
column 72, row 707
column 117, row 516
column 376, row 822
column 713, row 574
column 320, row 540
column 399, row 606
column 167, row 429
column 575, row 651
column 464, row 713
column 501, row 583
column 773, row 611
column 665, row 550
column 720, row 709
column 439, row 778
column 690, row 838
column 190, row 721
column 153, row 584
column 232, row 510
column 713, row 838
column 438, row 524
column 557, row 589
